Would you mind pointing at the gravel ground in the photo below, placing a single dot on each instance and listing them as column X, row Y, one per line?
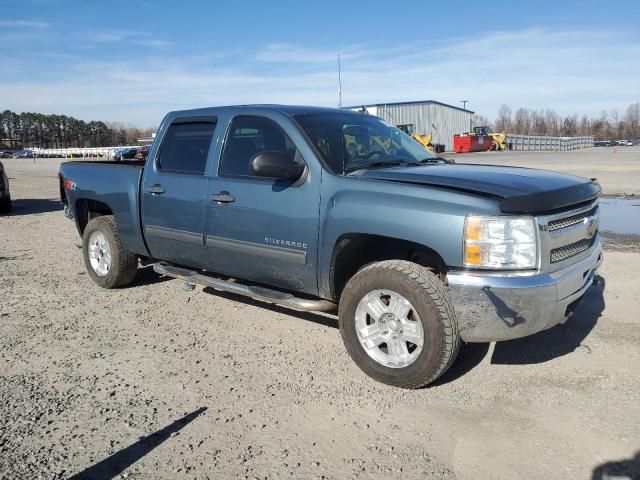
column 617, row 169
column 155, row 382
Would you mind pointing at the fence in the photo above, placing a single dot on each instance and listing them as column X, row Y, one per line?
column 512, row 142
column 530, row 142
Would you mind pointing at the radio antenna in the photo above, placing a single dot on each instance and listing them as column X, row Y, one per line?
column 339, row 84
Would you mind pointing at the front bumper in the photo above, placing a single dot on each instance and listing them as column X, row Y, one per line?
column 493, row 307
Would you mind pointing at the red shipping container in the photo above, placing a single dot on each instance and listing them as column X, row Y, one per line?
column 471, row 143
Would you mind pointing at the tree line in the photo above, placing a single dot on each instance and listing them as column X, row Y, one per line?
column 29, row 130
column 610, row 125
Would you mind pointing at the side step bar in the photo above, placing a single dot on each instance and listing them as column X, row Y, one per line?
column 258, row 293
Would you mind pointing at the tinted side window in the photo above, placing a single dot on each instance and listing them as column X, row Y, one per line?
column 249, row 136
column 186, row 146
column 327, row 137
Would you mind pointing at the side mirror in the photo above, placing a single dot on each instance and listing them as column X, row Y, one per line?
column 280, row 165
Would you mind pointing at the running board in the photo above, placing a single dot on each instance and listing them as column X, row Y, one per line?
column 257, row 293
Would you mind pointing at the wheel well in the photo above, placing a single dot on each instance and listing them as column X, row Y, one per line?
column 353, row 251
column 87, row 209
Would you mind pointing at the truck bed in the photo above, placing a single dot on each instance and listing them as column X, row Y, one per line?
column 115, row 185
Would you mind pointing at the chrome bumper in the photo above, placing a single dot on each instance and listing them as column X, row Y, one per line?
column 494, row 307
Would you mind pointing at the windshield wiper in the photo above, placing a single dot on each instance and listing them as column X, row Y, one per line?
column 385, row 163
column 435, row 160
column 394, row 163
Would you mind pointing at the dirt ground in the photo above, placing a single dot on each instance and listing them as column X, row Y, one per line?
column 152, row 382
column 617, row 169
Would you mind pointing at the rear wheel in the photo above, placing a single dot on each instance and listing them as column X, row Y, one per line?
column 108, row 263
column 398, row 324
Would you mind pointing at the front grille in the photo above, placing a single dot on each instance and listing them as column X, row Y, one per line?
column 561, row 223
column 571, row 250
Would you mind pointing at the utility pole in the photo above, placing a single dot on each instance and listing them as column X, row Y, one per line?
column 464, row 107
column 339, row 84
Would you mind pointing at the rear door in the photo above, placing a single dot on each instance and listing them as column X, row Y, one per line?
column 258, row 228
column 173, row 192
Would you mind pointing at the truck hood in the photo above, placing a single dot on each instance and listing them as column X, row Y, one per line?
column 519, row 190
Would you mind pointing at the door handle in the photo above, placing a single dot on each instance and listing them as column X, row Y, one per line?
column 222, row 197
column 156, row 189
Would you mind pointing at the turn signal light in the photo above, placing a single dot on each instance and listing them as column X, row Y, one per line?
column 473, row 255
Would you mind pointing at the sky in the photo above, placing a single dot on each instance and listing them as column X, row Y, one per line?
column 133, row 61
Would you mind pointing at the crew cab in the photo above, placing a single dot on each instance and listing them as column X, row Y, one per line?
column 322, row 209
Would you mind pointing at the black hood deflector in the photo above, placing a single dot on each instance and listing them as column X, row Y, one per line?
column 519, row 190
column 553, row 200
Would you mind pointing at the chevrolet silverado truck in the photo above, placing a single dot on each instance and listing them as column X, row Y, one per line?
column 321, row 209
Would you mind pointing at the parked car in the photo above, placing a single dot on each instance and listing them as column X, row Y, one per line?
column 5, row 195
column 125, row 153
column 6, row 154
column 142, row 153
column 24, row 154
column 317, row 209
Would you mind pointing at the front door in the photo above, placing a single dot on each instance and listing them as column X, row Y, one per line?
column 262, row 229
column 173, row 193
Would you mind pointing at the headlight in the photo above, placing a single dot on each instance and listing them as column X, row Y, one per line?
column 500, row 242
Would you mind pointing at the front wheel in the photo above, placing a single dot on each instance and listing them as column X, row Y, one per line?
column 5, row 205
column 398, row 323
column 109, row 265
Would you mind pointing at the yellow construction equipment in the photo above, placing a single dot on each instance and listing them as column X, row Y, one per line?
column 498, row 138
column 424, row 140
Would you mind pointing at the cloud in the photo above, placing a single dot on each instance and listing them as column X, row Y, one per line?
column 23, row 24
column 136, row 38
column 570, row 72
column 152, row 42
column 108, row 36
column 288, row 53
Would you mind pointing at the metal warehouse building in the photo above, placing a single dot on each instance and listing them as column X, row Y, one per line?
column 426, row 116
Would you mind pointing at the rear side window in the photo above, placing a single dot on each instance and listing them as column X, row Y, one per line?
column 248, row 136
column 186, row 146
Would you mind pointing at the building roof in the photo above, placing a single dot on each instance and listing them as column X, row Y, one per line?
column 415, row 102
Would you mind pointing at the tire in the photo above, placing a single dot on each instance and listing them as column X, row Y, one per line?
column 5, row 205
column 123, row 265
column 431, row 309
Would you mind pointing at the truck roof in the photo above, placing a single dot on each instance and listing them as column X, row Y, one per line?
column 287, row 109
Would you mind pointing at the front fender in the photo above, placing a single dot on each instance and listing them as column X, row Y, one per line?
column 431, row 217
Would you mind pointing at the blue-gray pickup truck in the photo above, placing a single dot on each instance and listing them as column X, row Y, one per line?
column 319, row 209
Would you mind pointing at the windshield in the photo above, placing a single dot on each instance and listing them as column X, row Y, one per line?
column 351, row 141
